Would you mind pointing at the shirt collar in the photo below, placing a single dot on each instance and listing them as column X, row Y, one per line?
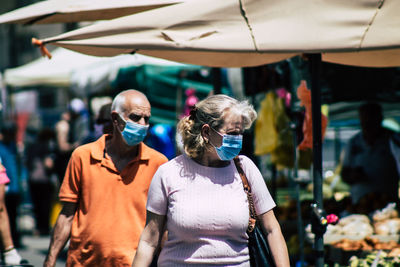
column 97, row 152
column 99, row 146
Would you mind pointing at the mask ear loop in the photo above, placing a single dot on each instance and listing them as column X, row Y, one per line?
column 218, row 134
column 119, row 115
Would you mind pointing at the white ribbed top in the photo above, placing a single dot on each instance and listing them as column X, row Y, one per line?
column 207, row 211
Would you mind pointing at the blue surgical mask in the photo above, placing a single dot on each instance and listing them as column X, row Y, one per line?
column 134, row 133
column 231, row 146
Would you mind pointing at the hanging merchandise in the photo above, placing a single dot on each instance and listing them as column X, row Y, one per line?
column 304, row 158
column 266, row 135
column 191, row 100
column 282, row 156
column 304, row 95
column 272, row 132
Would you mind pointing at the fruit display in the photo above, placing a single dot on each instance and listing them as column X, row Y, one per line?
column 363, row 252
column 376, row 258
column 354, row 227
column 358, row 240
column 386, row 221
column 384, row 225
column 367, row 244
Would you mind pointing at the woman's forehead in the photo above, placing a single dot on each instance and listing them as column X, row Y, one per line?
column 232, row 120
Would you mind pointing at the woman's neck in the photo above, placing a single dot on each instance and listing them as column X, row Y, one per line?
column 211, row 161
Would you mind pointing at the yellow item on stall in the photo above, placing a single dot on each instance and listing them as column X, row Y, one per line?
column 266, row 135
column 272, row 132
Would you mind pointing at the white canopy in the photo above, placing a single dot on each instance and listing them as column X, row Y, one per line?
column 72, row 69
column 43, row 71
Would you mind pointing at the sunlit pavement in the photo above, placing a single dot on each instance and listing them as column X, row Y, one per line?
column 35, row 249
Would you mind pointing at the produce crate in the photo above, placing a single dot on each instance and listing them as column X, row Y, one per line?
column 329, row 239
column 342, row 257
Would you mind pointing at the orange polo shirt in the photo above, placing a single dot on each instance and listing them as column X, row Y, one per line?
column 111, row 209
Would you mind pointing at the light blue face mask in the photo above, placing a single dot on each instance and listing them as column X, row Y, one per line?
column 231, row 146
column 134, row 133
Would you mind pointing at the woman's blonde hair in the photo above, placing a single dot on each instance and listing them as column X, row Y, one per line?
column 211, row 111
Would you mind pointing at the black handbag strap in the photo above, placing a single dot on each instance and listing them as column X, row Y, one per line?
column 247, row 189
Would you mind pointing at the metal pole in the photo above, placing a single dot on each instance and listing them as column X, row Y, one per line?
column 217, row 80
column 300, row 226
column 338, row 147
column 315, row 60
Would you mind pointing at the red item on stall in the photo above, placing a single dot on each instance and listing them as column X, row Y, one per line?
column 304, row 94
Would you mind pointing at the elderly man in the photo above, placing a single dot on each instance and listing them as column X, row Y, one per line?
column 104, row 191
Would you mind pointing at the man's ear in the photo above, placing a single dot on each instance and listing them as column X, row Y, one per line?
column 115, row 118
column 205, row 132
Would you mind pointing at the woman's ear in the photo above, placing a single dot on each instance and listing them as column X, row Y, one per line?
column 205, row 133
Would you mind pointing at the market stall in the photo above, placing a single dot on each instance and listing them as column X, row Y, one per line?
column 258, row 32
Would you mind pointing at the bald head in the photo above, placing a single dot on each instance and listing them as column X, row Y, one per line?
column 132, row 104
column 120, row 101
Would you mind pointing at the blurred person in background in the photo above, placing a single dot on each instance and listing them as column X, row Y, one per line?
column 40, row 163
column 79, row 121
column 161, row 138
column 64, row 144
column 199, row 197
column 10, row 160
column 369, row 164
column 10, row 255
column 102, row 124
column 71, row 131
column 104, row 190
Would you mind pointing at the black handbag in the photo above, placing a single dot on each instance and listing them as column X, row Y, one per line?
column 259, row 251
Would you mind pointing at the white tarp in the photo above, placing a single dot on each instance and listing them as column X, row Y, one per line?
column 43, row 71
column 75, row 70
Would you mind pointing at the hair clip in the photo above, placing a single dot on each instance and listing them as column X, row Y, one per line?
column 192, row 113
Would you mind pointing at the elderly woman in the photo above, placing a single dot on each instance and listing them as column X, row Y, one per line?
column 198, row 197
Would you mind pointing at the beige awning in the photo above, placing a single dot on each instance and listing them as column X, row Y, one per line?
column 62, row 11
column 234, row 33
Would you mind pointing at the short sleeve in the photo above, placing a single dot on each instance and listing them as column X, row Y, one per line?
column 157, row 200
column 263, row 201
column 70, row 188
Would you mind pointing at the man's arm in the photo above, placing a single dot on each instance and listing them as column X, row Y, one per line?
column 61, row 233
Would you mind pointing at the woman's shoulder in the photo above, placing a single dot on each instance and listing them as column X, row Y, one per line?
column 249, row 167
column 246, row 162
column 174, row 163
